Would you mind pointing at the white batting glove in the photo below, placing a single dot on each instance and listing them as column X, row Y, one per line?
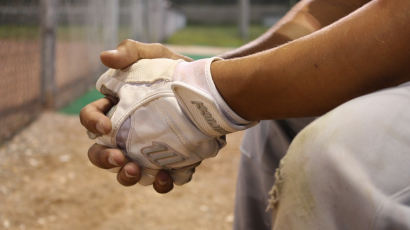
column 169, row 116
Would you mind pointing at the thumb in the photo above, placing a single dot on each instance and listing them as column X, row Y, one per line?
column 117, row 59
column 130, row 51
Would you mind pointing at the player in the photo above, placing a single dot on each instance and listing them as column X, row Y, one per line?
column 321, row 58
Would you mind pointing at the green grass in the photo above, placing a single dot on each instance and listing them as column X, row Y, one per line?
column 28, row 32
column 75, row 106
column 63, row 32
column 19, row 32
column 213, row 35
column 210, row 35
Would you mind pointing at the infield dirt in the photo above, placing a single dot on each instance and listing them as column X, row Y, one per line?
column 47, row 182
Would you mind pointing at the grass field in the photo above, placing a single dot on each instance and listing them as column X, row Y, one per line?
column 196, row 34
column 213, row 35
column 19, row 32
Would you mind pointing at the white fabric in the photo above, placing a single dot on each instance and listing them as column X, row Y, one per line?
column 167, row 116
column 152, row 124
column 185, row 71
column 204, row 111
column 198, row 96
column 350, row 168
column 160, row 136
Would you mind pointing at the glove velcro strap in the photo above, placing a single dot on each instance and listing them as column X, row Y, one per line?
column 203, row 110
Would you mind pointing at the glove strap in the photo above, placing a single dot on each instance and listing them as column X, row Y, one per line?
column 224, row 107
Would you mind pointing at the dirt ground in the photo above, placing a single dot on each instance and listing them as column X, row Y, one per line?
column 47, row 182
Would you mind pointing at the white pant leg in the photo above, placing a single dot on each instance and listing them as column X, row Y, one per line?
column 350, row 169
column 262, row 148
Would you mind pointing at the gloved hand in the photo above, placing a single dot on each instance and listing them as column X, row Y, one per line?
column 169, row 116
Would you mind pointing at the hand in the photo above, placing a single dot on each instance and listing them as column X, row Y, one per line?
column 166, row 116
column 130, row 51
column 93, row 116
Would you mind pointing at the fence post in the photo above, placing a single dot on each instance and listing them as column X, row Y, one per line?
column 48, row 52
column 155, row 24
column 110, row 25
column 150, row 16
column 244, row 18
column 138, row 32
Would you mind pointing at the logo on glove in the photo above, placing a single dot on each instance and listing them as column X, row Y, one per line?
column 209, row 118
column 162, row 154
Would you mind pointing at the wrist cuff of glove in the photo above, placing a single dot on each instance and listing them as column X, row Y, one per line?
column 208, row 110
column 224, row 107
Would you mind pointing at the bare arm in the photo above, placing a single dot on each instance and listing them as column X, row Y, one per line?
column 363, row 52
column 304, row 18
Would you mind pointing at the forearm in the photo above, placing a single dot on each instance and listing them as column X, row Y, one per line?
column 366, row 51
column 304, row 18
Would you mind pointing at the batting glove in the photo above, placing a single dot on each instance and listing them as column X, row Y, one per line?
column 169, row 116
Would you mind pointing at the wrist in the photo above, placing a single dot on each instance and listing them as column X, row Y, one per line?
column 215, row 93
column 198, row 74
column 199, row 98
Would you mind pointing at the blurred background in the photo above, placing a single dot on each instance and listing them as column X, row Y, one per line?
column 49, row 62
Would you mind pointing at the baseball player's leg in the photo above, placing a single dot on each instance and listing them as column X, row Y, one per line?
column 263, row 147
column 350, row 168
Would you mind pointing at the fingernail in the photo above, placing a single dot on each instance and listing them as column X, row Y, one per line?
column 112, row 161
column 163, row 179
column 162, row 182
column 100, row 127
column 127, row 174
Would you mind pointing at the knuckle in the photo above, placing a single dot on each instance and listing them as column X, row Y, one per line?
column 156, row 44
column 91, row 153
column 163, row 189
column 129, row 44
column 124, row 42
column 123, row 180
column 84, row 115
column 159, row 47
column 83, row 111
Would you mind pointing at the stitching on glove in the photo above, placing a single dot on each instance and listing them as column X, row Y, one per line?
column 178, row 133
column 133, row 107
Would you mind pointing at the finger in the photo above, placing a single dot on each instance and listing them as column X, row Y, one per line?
column 93, row 118
column 106, row 158
column 184, row 175
column 176, row 56
column 127, row 52
column 129, row 175
column 163, row 182
column 156, row 50
column 117, row 59
column 130, row 51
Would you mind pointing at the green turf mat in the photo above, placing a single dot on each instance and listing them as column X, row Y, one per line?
column 196, row 57
column 75, row 106
column 214, row 35
column 92, row 95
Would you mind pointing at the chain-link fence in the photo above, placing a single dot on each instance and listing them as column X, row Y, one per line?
column 19, row 65
column 49, row 49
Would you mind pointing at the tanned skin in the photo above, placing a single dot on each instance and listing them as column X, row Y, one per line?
column 364, row 51
column 358, row 54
